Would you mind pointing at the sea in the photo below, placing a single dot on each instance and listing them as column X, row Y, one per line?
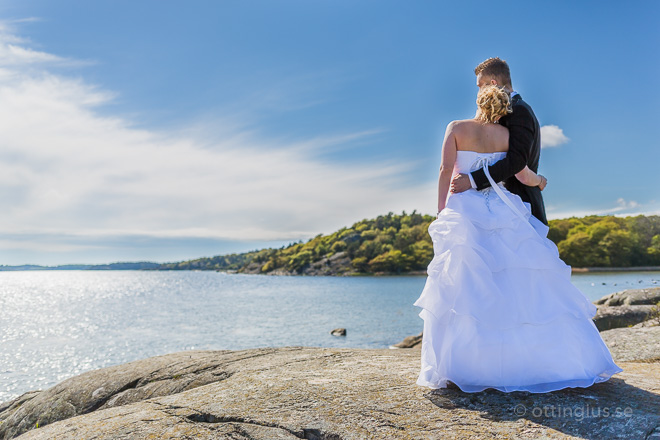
column 57, row 324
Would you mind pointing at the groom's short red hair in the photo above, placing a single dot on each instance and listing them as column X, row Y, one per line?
column 497, row 68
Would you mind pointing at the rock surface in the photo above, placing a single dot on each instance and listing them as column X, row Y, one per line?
column 631, row 297
column 319, row 393
column 109, row 387
column 336, row 264
column 324, row 393
column 628, row 308
column 338, row 332
column 410, row 342
column 637, row 344
column 609, row 317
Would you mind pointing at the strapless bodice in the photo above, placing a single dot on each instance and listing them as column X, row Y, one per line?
column 468, row 161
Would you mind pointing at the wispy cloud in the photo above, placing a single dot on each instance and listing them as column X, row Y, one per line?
column 11, row 54
column 619, row 207
column 626, row 204
column 15, row 53
column 66, row 170
column 552, row 136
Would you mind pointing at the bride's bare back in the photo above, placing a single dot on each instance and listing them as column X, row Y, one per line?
column 481, row 137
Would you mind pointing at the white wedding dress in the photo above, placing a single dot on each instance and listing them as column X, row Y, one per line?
column 499, row 308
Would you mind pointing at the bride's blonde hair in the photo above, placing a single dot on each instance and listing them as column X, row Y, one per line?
column 493, row 102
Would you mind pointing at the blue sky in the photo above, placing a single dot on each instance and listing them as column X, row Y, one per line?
column 165, row 130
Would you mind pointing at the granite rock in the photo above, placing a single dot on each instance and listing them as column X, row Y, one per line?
column 609, row 317
column 636, row 344
column 329, row 393
column 410, row 342
column 631, row 297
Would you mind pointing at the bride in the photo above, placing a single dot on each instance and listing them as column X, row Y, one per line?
column 498, row 305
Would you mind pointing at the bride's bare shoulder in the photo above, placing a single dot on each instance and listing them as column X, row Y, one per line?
column 472, row 126
column 461, row 124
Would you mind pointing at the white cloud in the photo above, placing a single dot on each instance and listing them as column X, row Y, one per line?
column 552, row 136
column 11, row 54
column 626, row 204
column 620, row 207
column 65, row 169
column 15, row 53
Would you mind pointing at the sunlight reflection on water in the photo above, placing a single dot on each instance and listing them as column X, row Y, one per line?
column 56, row 324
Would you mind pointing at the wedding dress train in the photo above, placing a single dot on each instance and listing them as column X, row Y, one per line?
column 498, row 306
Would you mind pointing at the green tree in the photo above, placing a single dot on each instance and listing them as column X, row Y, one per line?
column 391, row 261
column 617, row 246
column 422, row 254
column 578, row 250
column 559, row 230
column 399, row 243
column 300, row 260
column 654, row 250
column 338, row 246
column 361, row 264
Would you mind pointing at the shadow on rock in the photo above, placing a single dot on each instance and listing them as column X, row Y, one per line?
column 607, row 410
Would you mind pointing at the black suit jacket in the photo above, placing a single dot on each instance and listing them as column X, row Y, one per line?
column 524, row 149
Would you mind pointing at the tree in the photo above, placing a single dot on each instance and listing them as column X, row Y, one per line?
column 559, row 230
column 654, row 249
column 360, row 264
column 391, row 261
column 618, row 246
column 578, row 250
column 399, row 243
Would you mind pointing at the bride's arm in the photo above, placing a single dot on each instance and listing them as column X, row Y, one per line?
column 447, row 164
column 530, row 178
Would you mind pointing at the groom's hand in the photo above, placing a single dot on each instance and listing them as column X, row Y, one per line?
column 460, row 183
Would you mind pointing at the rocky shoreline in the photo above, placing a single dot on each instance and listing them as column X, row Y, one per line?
column 339, row 264
column 324, row 393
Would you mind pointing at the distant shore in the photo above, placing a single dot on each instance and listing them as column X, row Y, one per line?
column 423, row 272
column 615, row 269
column 155, row 266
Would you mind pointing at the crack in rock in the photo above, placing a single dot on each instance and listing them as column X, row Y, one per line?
column 99, row 403
column 654, row 434
column 305, row 433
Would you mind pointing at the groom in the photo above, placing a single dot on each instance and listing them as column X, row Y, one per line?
column 524, row 143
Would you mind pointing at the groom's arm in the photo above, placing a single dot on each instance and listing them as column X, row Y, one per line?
column 521, row 137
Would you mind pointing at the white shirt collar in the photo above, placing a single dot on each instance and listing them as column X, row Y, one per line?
column 512, row 94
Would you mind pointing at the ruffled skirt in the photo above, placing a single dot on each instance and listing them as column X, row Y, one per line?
column 499, row 308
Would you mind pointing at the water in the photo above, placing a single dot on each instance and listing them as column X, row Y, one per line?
column 595, row 285
column 56, row 324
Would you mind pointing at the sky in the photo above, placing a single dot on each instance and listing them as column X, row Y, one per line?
column 166, row 130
